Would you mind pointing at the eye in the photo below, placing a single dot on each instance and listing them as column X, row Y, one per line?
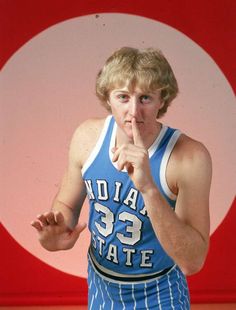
column 145, row 99
column 123, row 97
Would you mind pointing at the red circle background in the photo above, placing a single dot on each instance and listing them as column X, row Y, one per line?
column 27, row 280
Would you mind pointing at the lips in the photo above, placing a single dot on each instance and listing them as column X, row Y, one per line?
column 138, row 122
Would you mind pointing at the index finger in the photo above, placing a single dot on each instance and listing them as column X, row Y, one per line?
column 136, row 134
column 59, row 218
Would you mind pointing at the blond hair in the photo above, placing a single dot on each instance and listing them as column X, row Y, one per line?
column 148, row 69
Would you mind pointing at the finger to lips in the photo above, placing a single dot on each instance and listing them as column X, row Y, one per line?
column 138, row 141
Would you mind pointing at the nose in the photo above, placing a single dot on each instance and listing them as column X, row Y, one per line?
column 134, row 107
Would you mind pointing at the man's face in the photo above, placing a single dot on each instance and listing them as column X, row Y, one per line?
column 127, row 104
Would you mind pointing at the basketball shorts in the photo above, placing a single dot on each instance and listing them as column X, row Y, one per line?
column 167, row 292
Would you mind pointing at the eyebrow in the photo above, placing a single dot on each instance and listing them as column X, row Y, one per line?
column 127, row 92
column 121, row 91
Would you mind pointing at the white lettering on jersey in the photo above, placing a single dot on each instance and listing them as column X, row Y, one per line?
column 112, row 254
column 94, row 239
column 102, row 190
column 133, row 230
column 143, row 211
column 112, row 223
column 131, row 199
column 89, row 188
column 101, row 243
column 145, row 258
column 107, row 219
column 129, row 256
column 117, row 192
column 103, row 194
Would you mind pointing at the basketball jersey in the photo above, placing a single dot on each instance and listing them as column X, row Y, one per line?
column 123, row 242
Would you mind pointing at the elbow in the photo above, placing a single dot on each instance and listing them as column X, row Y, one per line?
column 193, row 266
column 191, row 269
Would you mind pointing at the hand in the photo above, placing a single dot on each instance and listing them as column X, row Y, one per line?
column 53, row 233
column 134, row 157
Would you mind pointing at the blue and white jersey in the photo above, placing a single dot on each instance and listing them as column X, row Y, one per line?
column 123, row 241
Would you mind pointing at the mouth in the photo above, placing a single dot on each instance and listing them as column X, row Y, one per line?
column 138, row 122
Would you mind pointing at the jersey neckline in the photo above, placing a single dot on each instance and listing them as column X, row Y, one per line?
column 151, row 149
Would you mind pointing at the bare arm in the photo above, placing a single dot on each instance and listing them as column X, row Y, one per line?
column 72, row 193
column 59, row 228
column 184, row 234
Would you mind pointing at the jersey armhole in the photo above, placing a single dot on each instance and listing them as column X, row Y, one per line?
column 97, row 147
column 164, row 162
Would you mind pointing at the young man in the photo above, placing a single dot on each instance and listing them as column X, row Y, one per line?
column 148, row 187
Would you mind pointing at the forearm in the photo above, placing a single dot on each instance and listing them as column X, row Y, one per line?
column 70, row 216
column 183, row 243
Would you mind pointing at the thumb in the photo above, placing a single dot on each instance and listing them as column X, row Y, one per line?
column 78, row 230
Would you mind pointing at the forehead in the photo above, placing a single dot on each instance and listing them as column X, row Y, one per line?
column 134, row 90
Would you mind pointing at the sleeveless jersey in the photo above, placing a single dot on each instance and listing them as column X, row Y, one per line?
column 123, row 242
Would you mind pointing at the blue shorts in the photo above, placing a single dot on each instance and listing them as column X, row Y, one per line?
column 167, row 292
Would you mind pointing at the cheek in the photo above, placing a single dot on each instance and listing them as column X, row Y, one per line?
column 150, row 112
column 118, row 109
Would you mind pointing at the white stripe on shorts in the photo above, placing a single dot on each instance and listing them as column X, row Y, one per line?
column 171, row 296
column 133, row 296
column 158, row 294
column 120, row 293
column 145, row 293
column 91, row 303
column 180, row 293
column 100, row 286
column 112, row 303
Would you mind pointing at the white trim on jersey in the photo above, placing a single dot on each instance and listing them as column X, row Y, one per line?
column 112, row 145
column 164, row 162
column 98, row 145
column 151, row 149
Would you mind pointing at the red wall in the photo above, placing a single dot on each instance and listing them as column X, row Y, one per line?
column 211, row 24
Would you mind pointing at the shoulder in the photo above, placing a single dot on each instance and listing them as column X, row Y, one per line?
column 88, row 129
column 190, row 159
column 188, row 150
column 85, row 138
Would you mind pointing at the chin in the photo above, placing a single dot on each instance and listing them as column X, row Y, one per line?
column 128, row 133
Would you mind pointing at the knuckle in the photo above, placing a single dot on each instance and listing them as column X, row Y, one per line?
column 124, row 147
